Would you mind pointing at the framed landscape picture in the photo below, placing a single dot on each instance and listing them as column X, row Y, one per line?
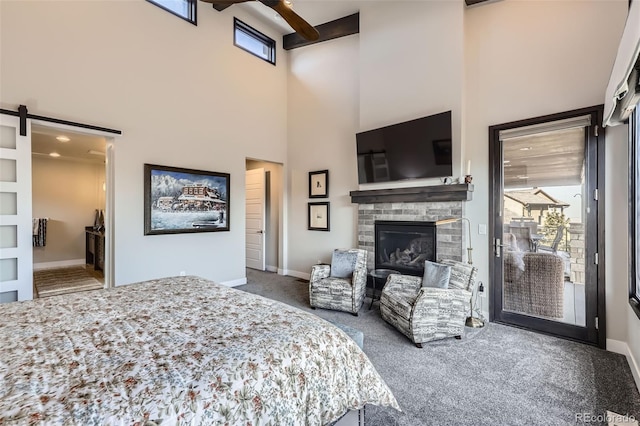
column 318, row 216
column 319, row 184
column 180, row 200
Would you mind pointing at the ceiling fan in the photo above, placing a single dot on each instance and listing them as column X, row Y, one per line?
column 301, row 26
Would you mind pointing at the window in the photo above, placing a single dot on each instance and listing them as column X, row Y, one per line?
column 253, row 41
column 186, row 9
column 634, row 210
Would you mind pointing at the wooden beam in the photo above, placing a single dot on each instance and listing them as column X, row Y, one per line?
column 220, row 7
column 328, row 31
column 472, row 2
column 456, row 192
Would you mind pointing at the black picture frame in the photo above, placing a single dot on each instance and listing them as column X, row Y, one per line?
column 318, row 216
column 178, row 200
column 319, row 184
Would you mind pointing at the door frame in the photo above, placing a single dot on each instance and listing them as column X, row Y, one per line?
column 110, row 136
column 595, row 331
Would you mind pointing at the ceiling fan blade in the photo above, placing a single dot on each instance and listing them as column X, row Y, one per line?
column 301, row 26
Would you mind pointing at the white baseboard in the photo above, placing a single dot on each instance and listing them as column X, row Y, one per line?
column 59, row 264
column 301, row 275
column 272, row 268
column 235, row 283
column 622, row 348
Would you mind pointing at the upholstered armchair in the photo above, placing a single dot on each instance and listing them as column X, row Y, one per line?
column 425, row 313
column 340, row 286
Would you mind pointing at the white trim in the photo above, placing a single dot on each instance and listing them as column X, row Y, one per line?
column 622, row 348
column 234, row 283
column 59, row 264
column 271, row 268
column 302, row 275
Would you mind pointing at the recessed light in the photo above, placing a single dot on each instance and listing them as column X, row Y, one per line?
column 94, row 152
column 289, row 3
column 63, row 138
column 523, row 177
column 506, row 161
column 526, row 148
column 54, row 154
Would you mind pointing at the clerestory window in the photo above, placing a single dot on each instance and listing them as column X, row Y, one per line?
column 185, row 9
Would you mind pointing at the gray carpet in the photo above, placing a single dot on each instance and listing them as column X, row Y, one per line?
column 496, row 375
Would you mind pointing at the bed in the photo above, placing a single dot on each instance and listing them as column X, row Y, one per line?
column 182, row 351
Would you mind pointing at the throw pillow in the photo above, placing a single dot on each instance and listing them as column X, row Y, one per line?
column 462, row 274
column 436, row 275
column 343, row 262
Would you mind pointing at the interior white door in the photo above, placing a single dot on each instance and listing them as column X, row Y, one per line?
column 16, row 252
column 255, row 218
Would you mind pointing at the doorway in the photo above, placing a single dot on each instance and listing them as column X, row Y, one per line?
column 545, row 177
column 18, row 236
column 264, row 203
column 68, row 204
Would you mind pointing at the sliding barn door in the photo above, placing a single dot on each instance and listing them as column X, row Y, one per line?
column 16, row 255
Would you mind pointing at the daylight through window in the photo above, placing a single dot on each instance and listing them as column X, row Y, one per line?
column 253, row 41
column 186, row 9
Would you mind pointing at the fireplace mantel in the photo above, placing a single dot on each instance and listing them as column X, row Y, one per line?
column 436, row 193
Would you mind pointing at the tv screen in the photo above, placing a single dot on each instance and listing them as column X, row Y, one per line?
column 415, row 149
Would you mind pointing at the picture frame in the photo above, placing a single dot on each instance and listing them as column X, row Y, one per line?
column 318, row 216
column 178, row 200
column 319, row 184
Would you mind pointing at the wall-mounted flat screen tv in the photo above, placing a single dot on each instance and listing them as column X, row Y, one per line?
column 415, row 149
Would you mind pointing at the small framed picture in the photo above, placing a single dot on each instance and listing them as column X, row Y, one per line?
column 319, row 184
column 318, row 216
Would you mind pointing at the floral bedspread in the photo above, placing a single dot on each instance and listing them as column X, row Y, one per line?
column 177, row 351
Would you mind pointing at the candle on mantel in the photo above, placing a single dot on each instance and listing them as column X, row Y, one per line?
column 468, row 167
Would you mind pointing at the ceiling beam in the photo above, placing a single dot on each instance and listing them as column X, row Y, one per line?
column 220, row 7
column 328, row 31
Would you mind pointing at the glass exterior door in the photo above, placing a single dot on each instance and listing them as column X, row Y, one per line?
column 545, row 209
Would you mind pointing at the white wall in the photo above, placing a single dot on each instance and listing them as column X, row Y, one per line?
column 526, row 59
column 323, row 120
column 183, row 95
column 411, row 65
column 67, row 192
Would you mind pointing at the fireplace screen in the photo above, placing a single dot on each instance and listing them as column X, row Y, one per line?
column 404, row 246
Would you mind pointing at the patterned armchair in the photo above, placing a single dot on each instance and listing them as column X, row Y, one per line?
column 426, row 313
column 340, row 286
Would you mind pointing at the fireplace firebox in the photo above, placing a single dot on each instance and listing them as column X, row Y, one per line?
column 404, row 246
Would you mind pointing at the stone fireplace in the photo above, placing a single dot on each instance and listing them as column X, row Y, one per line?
column 422, row 204
column 404, row 246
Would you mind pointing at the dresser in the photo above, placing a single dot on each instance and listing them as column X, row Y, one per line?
column 94, row 248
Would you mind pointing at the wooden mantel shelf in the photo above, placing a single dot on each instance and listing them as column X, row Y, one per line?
column 436, row 193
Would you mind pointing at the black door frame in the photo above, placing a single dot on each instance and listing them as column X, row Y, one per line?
column 595, row 331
